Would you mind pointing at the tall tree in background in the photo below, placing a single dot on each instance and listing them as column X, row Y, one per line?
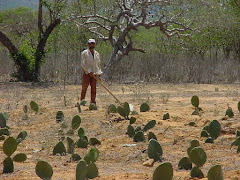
column 120, row 18
column 28, row 67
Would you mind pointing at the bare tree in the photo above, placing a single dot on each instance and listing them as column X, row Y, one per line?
column 24, row 72
column 127, row 16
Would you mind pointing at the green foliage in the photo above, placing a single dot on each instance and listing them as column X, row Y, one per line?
column 76, row 121
column 198, row 156
column 163, row 172
column 149, row 125
column 59, row 149
column 154, row 150
column 10, row 146
column 139, row 137
column 144, row 107
column 112, row 108
column 59, row 116
column 215, row 173
column 185, row 163
column 34, row 106
column 196, row 172
column 44, row 170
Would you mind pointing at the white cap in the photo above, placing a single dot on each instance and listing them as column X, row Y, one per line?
column 91, row 41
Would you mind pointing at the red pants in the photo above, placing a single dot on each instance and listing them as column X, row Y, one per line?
column 86, row 80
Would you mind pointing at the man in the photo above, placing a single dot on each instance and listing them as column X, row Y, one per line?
column 91, row 66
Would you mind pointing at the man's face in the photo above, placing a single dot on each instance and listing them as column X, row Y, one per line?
column 91, row 45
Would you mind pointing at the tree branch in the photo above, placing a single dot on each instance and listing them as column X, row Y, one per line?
column 8, row 44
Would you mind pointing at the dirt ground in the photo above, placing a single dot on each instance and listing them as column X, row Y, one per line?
column 117, row 162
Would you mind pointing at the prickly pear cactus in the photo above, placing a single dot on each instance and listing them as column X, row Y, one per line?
column 196, row 172
column 10, row 146
column 192, row 124
column 92, row 156
column 124, row 110
column 195, row 101
column 81, row 170
column 20, row 157
column 81, row 132
column 82, row 143
column 139, row 137
column 25, row 109
column 198, row 156
column 149, row 125
column 75, row 157
column 76, row 121
column 79, row 107
column 229, row 112
column 214, row 129
column 130, row 131
column 59, row 149
column 237, row 133
column 59, row 116
column 8, row 165
column 215, row 173
column 44, row 170
column 4, row 131
column 138, row 128
column 193, row 144
column 112, row 108
column 132, row 120
column 92, row 107
column 151, row 135
column 185, row 163
column 34, row 106
column 70, row 145
column 163, row 172
column 154, row 150
column 3, row 121
column 239, row 106
column 92, row 171
column 94, row 141
column 166, row 116
column 204, row 133
column 22, row 136
column 144, row 107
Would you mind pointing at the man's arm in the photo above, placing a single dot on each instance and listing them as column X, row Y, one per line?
column 83, row 62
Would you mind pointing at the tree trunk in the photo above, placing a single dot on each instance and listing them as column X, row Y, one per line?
column 23, row 73
column 40, row 48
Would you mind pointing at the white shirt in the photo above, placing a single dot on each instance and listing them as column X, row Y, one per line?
column 90, row 63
